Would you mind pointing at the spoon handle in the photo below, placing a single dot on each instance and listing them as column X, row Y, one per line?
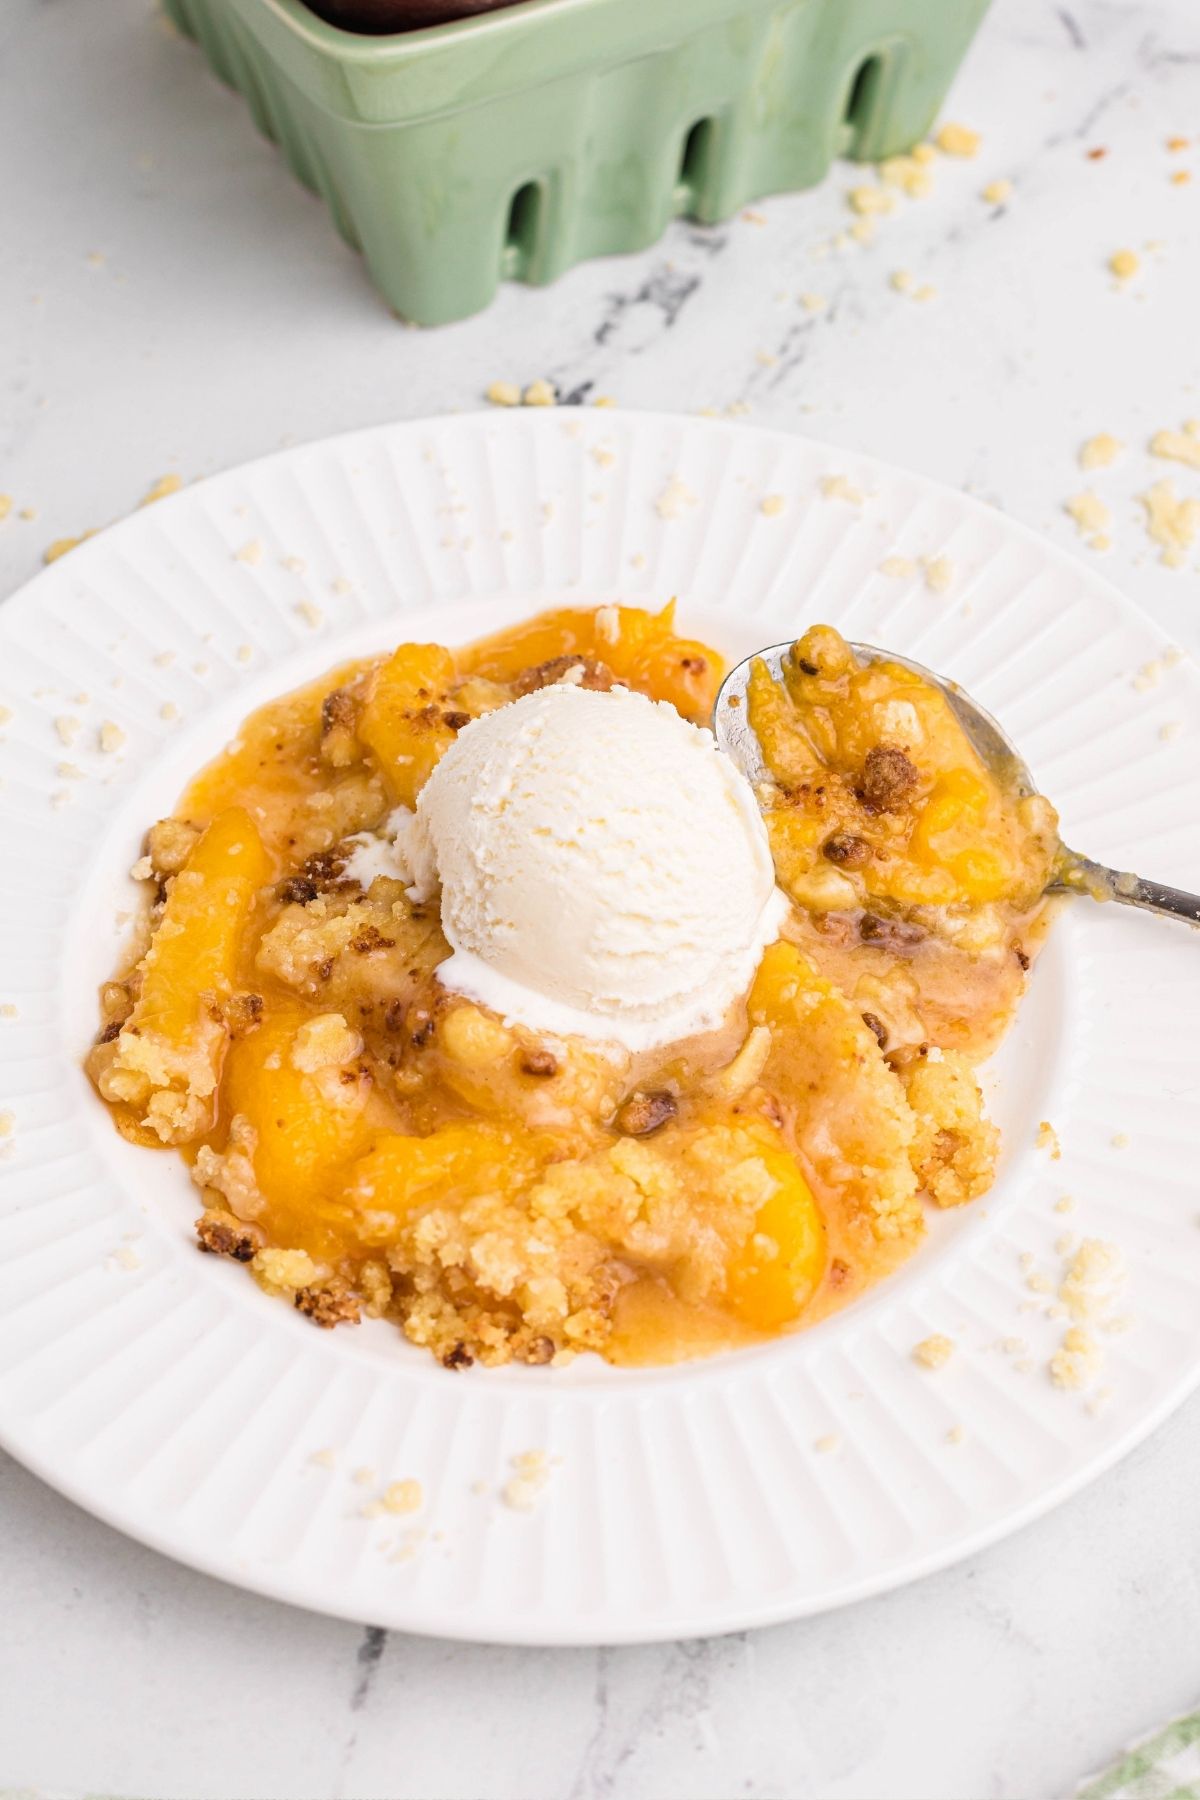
column 1085, row 876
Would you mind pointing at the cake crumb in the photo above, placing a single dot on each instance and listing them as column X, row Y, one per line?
column 6, row 505
column 1170, row 731
column 867, row 200
column 1065, row 1203
column 933, row 1352
column 1100, row 451
column 1179, row 446
column 955, row 1435
column 839, row 487
column 245, row 653
column 8, row 1011
column 61, row 546
column 957, row 140
column 675, row 499
column 251, row 552
column 903, row 280
column 938, row 572
column 67, row 728
column 1077, row 1361
column 1047, row 1139
column 997, row 192
column 405, row 1496
column 540, row 393
column 813, row 303
column 111, row 737
column 168, row 711
column 772, row 505
column 827, row 1445
column 323, row 1459
column 310, row 612
column 1124, row 264
column 502, row 393
column 8, row 1123
column 525, row 1486
column 1171, row 523
column 160, row 489
column 1088, row 511
column 1094, row 1277
column 363, row 1477
column 604, row 400
column 898, row 568
column 908, row 173
column 1120, row 1140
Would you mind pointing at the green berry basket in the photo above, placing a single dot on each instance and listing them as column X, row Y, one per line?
column 518, row 142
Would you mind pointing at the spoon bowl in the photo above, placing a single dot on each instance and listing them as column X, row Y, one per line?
column 1073, row 873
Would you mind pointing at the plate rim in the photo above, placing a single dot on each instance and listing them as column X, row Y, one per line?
column 289, row 1587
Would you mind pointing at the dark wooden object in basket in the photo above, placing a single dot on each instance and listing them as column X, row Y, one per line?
column 382, row 17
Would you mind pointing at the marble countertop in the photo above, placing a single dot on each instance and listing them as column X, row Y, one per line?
column 170, row 300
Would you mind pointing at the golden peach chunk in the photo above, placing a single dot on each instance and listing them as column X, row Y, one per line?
column 165, row 1064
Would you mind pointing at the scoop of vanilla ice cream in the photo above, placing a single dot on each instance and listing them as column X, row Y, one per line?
column 604, row 868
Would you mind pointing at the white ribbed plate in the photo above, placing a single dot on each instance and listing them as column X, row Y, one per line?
column 162, row 1391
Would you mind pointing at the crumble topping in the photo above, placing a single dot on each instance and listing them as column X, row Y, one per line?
column 371, row 1144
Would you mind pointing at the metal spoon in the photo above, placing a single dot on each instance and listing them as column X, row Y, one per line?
column 1075, row 873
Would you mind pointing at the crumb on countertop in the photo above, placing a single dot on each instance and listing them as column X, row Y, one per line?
column 1124, row 264
column 1171, row 522
column 1100, row 451
column 1179, row 446
column 957, row 140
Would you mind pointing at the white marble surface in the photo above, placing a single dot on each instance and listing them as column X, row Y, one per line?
column 169, row 299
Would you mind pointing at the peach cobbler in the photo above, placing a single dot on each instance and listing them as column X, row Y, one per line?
column 481, row 992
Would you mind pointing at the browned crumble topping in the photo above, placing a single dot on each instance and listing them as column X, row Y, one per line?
column 643, row 1114
column 889, row 779
column 242, row 1012
column 539, row 1062
column 329, row 1303
column 457, row 1357
column 224, row 1235
column 339, row 744
column 595, row 675
column 847, row 851
column 874, row 1023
